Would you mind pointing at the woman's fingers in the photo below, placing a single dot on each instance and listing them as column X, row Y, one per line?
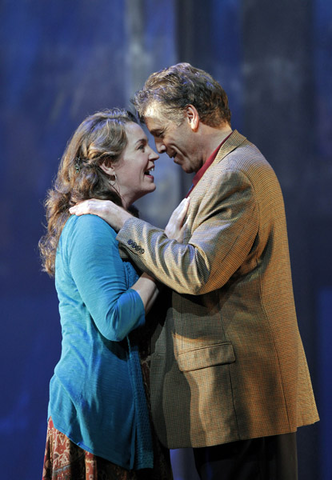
column 175, row 227
column 182, row 210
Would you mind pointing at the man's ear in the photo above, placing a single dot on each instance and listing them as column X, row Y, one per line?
column 193, row 117
column 107, row 167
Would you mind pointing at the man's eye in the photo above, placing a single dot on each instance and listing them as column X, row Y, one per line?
column 142, row 147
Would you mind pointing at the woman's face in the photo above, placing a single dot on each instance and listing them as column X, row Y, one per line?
column 134, row 170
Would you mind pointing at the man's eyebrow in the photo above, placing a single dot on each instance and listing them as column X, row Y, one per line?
column 156, row 131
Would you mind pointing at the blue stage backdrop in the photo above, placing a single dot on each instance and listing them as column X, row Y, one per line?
column 62, row 60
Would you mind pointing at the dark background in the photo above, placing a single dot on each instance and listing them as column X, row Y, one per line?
column 61, row 60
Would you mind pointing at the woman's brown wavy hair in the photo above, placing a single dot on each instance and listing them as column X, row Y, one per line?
column 99, row 138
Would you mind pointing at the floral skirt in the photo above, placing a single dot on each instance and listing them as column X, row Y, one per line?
column 64, row 460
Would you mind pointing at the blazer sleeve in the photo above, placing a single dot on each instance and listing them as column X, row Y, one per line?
column 223, row 231
column 99, row 274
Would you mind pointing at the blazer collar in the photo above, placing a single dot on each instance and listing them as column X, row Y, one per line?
column 232, row 142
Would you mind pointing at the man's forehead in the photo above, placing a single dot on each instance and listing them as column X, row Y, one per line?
column 154, row 119
column 154, row 111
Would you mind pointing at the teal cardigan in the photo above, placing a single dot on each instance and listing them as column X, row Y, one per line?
column 97, row 396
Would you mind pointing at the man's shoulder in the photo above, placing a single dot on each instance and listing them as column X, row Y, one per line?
column 242, row 163
column 240, row 152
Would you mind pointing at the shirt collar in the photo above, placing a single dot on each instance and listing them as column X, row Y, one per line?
column 206, row 165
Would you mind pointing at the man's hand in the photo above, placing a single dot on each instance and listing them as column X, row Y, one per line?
column 112, row 214
column 175, row 227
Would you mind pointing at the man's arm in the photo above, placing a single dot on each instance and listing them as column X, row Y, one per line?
column 223, row 229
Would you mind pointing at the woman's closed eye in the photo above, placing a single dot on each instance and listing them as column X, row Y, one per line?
column 142, row 146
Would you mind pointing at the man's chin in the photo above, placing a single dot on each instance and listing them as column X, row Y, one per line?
column 187, row 168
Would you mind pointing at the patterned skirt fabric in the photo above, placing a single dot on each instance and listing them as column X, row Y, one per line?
column 66, row 461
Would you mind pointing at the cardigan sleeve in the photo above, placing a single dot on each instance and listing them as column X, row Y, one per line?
column 99, row 275
column 222, row 234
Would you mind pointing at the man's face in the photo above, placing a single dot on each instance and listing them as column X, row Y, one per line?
column 178, row 141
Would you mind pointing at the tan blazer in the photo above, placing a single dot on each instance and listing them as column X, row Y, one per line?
column 228, row 361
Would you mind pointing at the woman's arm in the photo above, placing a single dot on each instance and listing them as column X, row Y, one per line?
column 101, row 279
column 147, row 288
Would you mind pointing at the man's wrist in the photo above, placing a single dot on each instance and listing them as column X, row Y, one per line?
column 123, row 217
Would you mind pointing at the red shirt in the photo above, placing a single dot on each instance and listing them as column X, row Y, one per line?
column 206, row 165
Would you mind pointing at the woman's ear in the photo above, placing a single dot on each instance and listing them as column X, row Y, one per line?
column 107, row 167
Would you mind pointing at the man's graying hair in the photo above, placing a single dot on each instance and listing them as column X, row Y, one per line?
column 180, row 85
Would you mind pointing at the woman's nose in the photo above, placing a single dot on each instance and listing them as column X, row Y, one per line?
column 155, row 156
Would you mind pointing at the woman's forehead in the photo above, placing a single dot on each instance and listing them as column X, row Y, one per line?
column 135, row 132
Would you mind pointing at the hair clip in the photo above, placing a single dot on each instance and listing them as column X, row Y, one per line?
column 77, row 164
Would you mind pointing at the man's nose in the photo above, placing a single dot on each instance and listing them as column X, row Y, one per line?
column 160, row 147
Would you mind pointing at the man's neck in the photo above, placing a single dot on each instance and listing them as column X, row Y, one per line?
column 213, row 137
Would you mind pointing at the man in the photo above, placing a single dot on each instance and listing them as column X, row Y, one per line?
column 228, row 371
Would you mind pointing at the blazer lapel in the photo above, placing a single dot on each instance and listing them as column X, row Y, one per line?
column 231, row 144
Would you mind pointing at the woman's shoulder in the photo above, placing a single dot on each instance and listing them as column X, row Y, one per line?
column 87, row 227
column 86, row 222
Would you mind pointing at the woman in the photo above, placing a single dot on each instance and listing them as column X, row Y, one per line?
column 98, row 414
